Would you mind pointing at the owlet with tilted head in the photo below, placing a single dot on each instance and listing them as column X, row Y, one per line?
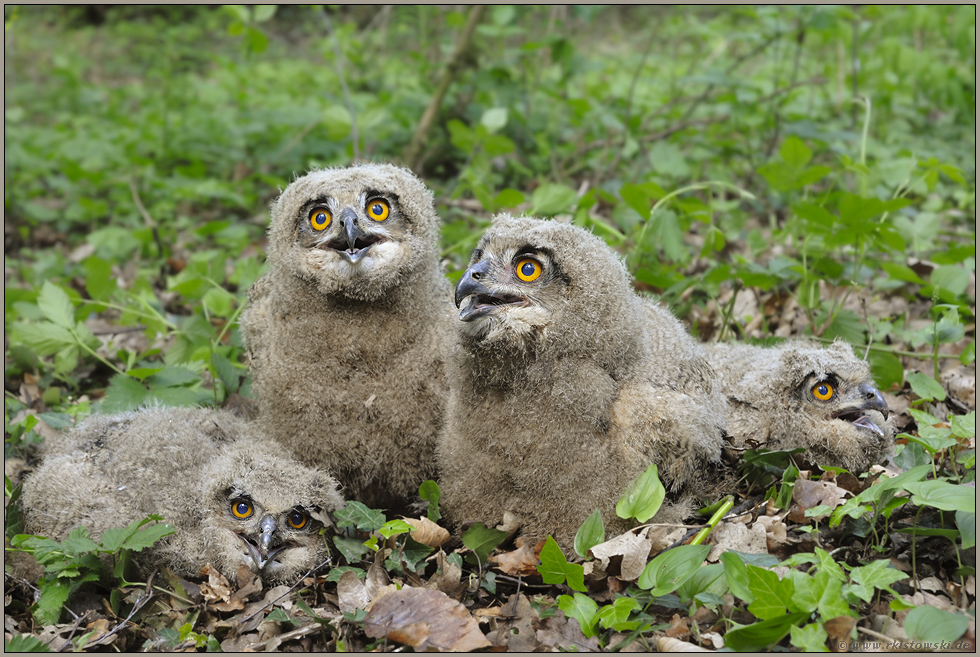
column 349, row 330
column 800, row 394
column 232, row 495
column 566, row 385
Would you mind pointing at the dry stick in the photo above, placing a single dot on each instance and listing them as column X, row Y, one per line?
column 298, row 582
column 338, row 60
column 455, row 63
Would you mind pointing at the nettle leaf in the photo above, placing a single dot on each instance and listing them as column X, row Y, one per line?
column 644, row 497
column 429, row 491
column 926, row 387
column 794, row 152
column 591, row 533
column 359, row 516
column 583, row 609
column 56, row 306
column 78, row 542
column 482, row 540
column 148, row 536
column 934, row 625
column 123, row 394
column 555, row 569
column 54, row 594
column 668, row 570
column 943, row 495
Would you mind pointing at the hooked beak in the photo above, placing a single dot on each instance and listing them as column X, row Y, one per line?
column 262, row 553
column 470, row 283
column 353, row 243
column 873, row 399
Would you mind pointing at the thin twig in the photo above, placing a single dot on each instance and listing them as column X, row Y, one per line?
column 291, row 588
column 339, row 65
column 453, row 66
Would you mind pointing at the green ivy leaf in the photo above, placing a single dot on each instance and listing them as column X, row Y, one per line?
column 877, row 575
column 394, row 528
column 591, row 533
column 429, row 491
column 583, row 609
column 809, row 638
column 771, row 593
column 644, row 497
column 482, row 540
column 555, row 569
column 616, row 616
column 351, row 548
column 357, row 515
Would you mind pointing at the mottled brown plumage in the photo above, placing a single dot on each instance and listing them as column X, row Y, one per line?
column 194, row 467
column 564, row 388
column 774, row 399
column 349, row 330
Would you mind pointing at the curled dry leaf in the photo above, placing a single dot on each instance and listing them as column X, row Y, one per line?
column 736, row 535
column 808, row 494
column 839, row 631
column 669, row 644
column 514, row 626
column 565, row 634
column 426, row 620
column 448, row 577
column 634, row 548
column 428, row 532
column 351, row 592
column 519, row 562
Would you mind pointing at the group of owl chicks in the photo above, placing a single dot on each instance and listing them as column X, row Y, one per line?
column 537, row 392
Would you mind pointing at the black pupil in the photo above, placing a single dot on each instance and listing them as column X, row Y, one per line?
column 377, row 209
column 296, row 518
column 822, row 390
column 242, row 508
column 321, row 217
column 527, row 269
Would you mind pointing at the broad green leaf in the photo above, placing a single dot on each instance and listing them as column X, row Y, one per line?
column 926, row 387
column 964, row 426
column 886, row 369
column 592, row 532
column 262, row 13
column 394, row 528
column 494, row 119
column 351, row 548
column 943, row 495
column 99, row 282
column 644, row 497
column 429, row 491
column 637, row 198
column 555, row 569
column 482, row 540
column 952, row 278
column 78, row 542
column 771, row 593
column 357, row 515
column 55, row 305
column 933, row 625
column 706, row 579
column 668, row 570
column 794, row 152
column 967, row 523
column 583, row 609
column 737, row 575
column 759, row 636
column 550, row 199
column 508, row 198
column 809, row 638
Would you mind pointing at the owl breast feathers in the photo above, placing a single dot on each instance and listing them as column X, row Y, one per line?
column 566, row 386
column 802, row 395
column 232, row 496
column 349, row 329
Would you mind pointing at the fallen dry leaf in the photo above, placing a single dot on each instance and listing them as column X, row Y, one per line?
column 426, row 620
column 634, row 548
column 352, row 594
column 427, row 532
column 448, row 578
column 565, row 634
column 808, row 494
column 669, row 644
column 514, row 626
column 839, row 632
column 519, row 562
column 737, row 536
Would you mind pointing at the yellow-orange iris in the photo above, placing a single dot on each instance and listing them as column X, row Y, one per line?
column 528, row 269
column 241, row 509
column 297, row 520
column 378, row 209
column 320, row 218
column 823, row 391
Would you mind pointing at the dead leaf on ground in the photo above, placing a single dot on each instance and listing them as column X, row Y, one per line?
column 519, row 562
column 448, row 578
column 679, row 627
column 669, row 644
column 514, row 626
column 839, row 631
column 352, row 594
column 565, row 634
column 634, row 548
column 809, row 494
column 426, row 620
column 428, row 533
column 736, row 535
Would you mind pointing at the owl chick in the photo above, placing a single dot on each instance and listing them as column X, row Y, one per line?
column 566, row 385
column 232, row 496
column 802, row 395
column 349, row 329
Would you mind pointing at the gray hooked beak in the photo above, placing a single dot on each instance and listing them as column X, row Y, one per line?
column 873, row 399
column 268, row 525
column 470, row 282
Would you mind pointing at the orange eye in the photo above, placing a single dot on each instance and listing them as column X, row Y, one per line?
column 241, row 509
column 378, row 209
column 823, row 391
column 320, row 218
column 297, row 519
column 528, row 269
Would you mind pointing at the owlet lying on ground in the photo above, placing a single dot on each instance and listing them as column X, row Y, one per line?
column 802, row 395
column 232, row 496
column 350, row 328
column 566, row 385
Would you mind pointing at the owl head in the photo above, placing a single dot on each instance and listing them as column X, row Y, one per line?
column 536, row 285
column 266, row 511
column 358, row 232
